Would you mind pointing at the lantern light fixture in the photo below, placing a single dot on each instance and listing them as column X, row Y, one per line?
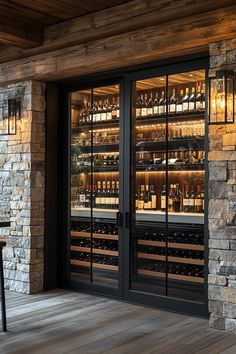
column 9, row 113
column 222, row 97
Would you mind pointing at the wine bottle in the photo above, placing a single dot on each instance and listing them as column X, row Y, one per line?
column 141, row 197
column 147, row 204
column 179, row 103
column 153, row 197
column 192, row 100
column 144, row 106
column 108, row 195
column 113, row 109
column 186, row 198
column 192, row 200
column 155, row 105
column 150, row 106
column 108, row 107
column 103, row 195
column 177, row 199
column 198, row 202
column 117, row 194
column 138, row 107
column 87, row 203
column 103, row 111
column 99, row 111
column 81, row 197
column 162, row 104
column 199, row 105
column 118, row 107
column 137, row 197
column 172, row 103
column 98, row 195
column 186, row 101
column 170, row 198
column 163, row 199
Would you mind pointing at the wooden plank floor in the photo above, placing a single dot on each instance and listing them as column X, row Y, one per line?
column 59, row 322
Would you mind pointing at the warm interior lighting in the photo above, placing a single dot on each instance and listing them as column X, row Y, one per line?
column 222, row 97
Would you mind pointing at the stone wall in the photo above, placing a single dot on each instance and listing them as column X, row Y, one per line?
column 222, row 206
column 22, row 175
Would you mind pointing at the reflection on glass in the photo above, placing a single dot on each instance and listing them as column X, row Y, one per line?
column 168, row 195
column 95, row 185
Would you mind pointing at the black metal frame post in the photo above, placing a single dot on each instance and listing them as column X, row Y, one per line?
column 3, row 301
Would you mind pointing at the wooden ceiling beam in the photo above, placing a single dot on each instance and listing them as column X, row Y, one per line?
column 19, row 34
column 175, row 38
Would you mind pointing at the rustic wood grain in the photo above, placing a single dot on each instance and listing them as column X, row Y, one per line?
column 63, row 322
column 175, row 38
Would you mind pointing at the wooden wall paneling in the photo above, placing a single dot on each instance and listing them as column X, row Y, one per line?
column 178, row 37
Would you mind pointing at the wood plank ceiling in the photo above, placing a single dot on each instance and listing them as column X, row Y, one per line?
column 22, row 21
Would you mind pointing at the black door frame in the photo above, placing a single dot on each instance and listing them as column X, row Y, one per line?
column 160, row 301
column 61, row 237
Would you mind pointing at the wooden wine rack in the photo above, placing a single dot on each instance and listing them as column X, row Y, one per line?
column 94, row 250
column 79, row 234
column 94, row 265
column 171, row 259
column 184, row 246
column 171, row 276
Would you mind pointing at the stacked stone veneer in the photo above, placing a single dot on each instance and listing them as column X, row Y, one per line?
column 222, row 206
column 22, row 176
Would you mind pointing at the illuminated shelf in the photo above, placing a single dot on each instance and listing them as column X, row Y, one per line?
column 95, row 250
column 94, row 265
column 155, row 119
column 178, row 167
column 182, row 246
column 79, row 234
column 171, row 259
column 181, row 144
column 170, row 276
column 142, row 215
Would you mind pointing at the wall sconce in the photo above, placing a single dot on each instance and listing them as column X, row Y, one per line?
column 222, row 98
column 9, row 113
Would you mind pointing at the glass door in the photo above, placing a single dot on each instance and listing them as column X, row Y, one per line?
column 95, row 141
column 167, row 186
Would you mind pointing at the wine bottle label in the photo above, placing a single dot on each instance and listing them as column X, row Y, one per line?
column 191, row 202
column 185, row 106
column 103, row 200
column 140, row 204
column 179, row 108
column 161, row 109
column 103, row 116
column 198, row 105
column 154, row 202
column 155, row 110
column 82, row 198
column 90, row 117
column 186, row 202
column 113, row 200
column 149, row 111
column 109, row 116
column 138, row 112
column 163, row 202
column 136, row 204
column 98, row 117
column 97, row 200
column 117, row 201
column 198, row 202
column 147, row 205
column 203, row 204
column 107, row 200
column 172, row 108
column 203, row 104
column 118, row 113
column 144, row 111
column 191, row 106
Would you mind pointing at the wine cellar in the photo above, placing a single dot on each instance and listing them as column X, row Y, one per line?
column 166, row 202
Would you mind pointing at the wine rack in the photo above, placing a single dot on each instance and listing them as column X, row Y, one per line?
column 167, row 189
column 101, row 242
